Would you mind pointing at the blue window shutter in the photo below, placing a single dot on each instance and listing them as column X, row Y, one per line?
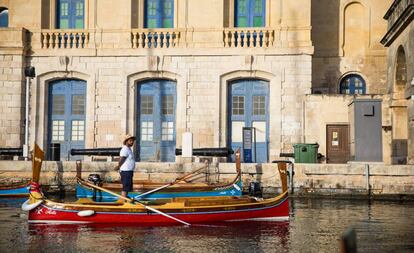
column 4, row 18
column 242, row 13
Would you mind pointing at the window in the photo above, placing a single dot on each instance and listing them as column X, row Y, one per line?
column 58, row 130
column 167, row 105
column 259, row 105
column 78, row 130
column 4, row 17
column 238, row 105
column 146, row 104
column 159, row 14
column 78, row 104
column 147, row 130
column 249, row 13
column 58, row 105
column 70, row 14
column 167, row 131
column 352, row 84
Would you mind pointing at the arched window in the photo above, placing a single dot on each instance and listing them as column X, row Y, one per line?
column 352, row 84
column 401, row 68
column 400, row 82
column 4, row 17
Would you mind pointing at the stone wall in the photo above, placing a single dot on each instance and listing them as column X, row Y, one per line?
column 337, row 180
column 404, row 101
column 346, row 35
column 12, row 99
column 201, row 93
column 323, row 110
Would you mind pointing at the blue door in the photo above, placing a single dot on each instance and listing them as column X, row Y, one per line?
column 70, row 14
column 159, row 14
column 67, row 104
column 249, row 13
column 248, row 107
column 156, row 105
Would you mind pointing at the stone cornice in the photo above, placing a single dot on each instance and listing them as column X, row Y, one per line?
column 398, row 19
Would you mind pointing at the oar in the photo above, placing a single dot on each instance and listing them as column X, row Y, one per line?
column 182, row 178
column 130, row 200
column 37, row 159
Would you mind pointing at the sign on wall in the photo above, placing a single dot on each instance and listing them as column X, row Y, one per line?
column 249, row 144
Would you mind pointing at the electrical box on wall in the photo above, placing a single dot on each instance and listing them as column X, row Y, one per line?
column 366, row 129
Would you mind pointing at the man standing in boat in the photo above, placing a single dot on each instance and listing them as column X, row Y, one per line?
column 126, row 164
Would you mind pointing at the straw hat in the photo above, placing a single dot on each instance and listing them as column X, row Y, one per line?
column 127, row 137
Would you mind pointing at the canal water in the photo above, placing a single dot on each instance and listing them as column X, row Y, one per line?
column 315, row 225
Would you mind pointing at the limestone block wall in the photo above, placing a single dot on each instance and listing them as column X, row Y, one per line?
column 322, row 110
column 354, row 179
column 347, row 35
column 12, row 100
column 201, row 93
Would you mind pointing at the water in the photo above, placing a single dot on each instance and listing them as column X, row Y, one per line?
column 315, row 226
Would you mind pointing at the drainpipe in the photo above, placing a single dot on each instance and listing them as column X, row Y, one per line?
column 368, row 186
column 29, row 72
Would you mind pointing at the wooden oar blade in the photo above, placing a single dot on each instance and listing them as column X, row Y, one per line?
column 38, row 157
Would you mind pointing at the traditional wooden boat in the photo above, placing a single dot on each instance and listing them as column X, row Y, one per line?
column 147, row 190
column 14, row 190
column 166, row 212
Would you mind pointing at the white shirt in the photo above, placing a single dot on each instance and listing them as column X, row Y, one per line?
column 129, row 164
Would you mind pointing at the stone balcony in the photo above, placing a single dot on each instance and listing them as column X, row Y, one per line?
column 13, row 40
column 188, row 41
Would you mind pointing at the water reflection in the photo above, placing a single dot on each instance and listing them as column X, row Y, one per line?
column 235, row 236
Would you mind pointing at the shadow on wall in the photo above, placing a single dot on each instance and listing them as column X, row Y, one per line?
column 325, row 39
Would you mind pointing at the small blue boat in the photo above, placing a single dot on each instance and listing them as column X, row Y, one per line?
column 14, row 190
column 231, row 189
column 148, row 190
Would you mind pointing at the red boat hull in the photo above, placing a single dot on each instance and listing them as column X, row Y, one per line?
column 46, row 214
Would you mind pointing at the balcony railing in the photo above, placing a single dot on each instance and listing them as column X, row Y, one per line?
column 64, row 39
column 248, row 37
column 155, row 38
column 46, row 42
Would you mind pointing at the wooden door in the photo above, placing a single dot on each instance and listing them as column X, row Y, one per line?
column 337, row 146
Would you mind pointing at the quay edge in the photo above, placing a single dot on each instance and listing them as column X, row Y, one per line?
column 352, row 180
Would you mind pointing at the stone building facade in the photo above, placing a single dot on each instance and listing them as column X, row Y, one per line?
column 400, row 82
column 158, row 69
